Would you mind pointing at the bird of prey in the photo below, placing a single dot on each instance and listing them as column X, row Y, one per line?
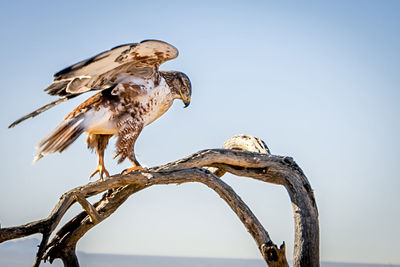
column 133, row 94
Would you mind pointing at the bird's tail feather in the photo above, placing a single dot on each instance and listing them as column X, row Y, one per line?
column 40, row 110
column 61, row 137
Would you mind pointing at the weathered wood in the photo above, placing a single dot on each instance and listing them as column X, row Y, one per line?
column 258, row 165
column 274, row 256
column 90, row 210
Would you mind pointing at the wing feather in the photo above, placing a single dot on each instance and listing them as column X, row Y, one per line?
column 79, row 77
column 40, row 110
column 101, row 71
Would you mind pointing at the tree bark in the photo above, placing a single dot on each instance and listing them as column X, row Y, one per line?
column 203, row 167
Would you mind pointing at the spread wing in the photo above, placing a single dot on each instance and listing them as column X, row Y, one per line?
column 101, row 71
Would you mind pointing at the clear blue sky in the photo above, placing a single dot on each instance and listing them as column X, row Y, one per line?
column 316, row 81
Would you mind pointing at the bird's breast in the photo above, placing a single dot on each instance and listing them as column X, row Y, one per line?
column 158, row 101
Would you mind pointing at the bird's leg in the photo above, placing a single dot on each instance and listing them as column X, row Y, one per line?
column 99, row 142
column 100, row 167
column 127, row 135
column 136, row 167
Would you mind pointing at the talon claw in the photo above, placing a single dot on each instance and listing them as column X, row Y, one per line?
column 101, row 170
column 134, row 168
column 93, row 173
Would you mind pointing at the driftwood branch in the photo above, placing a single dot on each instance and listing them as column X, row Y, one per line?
column 255, row 162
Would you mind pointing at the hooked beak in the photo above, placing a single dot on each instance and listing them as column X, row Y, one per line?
column 186, row 100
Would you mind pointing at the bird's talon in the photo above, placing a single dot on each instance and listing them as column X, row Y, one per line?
column 134, row 168
column 101, row 170
column 93, row 173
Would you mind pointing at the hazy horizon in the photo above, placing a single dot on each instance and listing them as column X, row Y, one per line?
column 21, row 252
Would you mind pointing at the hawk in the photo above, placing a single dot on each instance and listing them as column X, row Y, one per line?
column 133, row 94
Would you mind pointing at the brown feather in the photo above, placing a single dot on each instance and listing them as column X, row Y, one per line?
column 61, row 137
column 40, row 110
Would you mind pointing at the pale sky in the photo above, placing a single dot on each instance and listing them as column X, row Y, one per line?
column 316, row 81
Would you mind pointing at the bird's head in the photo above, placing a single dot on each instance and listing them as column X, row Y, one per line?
column 180, row 85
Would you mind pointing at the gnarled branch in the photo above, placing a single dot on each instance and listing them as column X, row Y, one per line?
column 255, row 162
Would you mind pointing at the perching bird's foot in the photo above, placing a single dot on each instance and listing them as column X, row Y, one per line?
column 134, row 168
column 101, row 170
